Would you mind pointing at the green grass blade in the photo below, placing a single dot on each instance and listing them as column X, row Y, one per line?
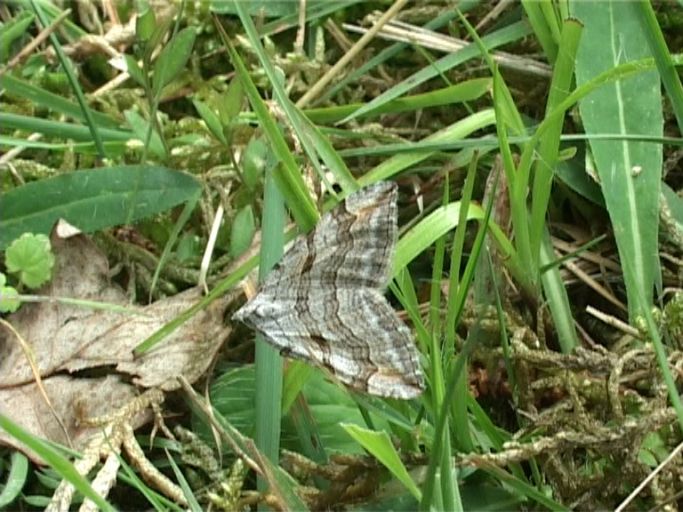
column 41, row 97
column 549, row 146
column 467, row 90
column 557, row 299
column 542, row 30
column 665, row 63
column 317, row 147
column 59, row 129
column 503, row 36
column 379, row 445
column 402, row 161
column 268, row 360
column 73, row 81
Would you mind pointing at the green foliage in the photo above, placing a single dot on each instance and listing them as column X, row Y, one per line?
column 173, row 59
column 629, row 171
column 8, row 296
column 125, row 193
column 16, row 478
column 13, row 30
column 242, row 232
column 30, row 257
column 437, row 122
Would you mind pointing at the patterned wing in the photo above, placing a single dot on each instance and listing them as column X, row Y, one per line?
column 323, row 301
column 355, row 334
column 351, row 246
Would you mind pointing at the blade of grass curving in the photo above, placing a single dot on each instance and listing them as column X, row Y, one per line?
column 548, row 151
column 379, row 445
column 16, row 479
column 507, row 115
column 289, row 178
column 503, row 36
column 402, row 161
column 630, row 172
column 55, row 460
column 437, row 272
column 268, row 360
column 665, row 64
column 219, row 290
column 193, row 504
column 422, row 235
column 459, row 417
column 73, row 81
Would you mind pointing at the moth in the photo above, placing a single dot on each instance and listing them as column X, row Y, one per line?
column 324, row 301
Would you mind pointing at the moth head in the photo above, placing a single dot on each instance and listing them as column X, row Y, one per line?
column 257, row 311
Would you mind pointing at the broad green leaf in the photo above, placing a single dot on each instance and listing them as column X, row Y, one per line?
column 92, row 199
column 30, row 257
column 380, row 446
column 173, row 58
column 629, row 171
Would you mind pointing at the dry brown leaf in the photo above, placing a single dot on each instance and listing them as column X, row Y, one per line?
column 66, row 339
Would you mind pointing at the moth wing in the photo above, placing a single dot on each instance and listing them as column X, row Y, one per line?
column 355, row 334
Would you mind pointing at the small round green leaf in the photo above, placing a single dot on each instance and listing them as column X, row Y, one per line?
column 8, row 297
column 31, row 258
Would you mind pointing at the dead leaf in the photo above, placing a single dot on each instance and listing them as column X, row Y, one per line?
column 66, row 339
